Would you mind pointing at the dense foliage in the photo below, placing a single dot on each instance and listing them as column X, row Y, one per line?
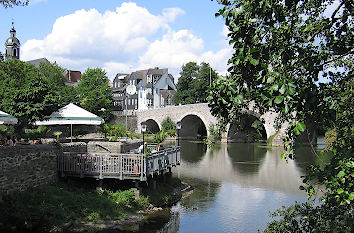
column 168, row 129
column 113, row 132
column 95, row 93
column 53, row 76
column 296, row 58
column 11, row 3
column 192, row 86
column 50, row 207
column 30, row 93
column 24, row 92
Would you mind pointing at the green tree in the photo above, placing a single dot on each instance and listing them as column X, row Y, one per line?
column 11, row 3
column 54, row 75
column 168, row 124
column 95, row 93
column 282, row 52
column 24, row 92
column 192, row 86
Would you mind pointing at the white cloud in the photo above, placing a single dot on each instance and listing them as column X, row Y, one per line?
column 173, row 50
column 218, row 60
column 112, row 35
column 123, row 40
column 225, row 31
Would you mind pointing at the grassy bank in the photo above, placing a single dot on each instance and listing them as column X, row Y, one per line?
column 59, row 206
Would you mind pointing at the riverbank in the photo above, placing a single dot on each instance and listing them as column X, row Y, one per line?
column 78, row 206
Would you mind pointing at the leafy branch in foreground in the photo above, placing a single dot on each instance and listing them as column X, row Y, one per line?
column 12, row 3
column 296, row 58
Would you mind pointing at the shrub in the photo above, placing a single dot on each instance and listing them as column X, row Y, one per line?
column 6, row 131
column 168, row 124
column 41, row 132
column 214, row 136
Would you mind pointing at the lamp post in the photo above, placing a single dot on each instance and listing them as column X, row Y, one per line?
column 143, row 130
column 178, row 127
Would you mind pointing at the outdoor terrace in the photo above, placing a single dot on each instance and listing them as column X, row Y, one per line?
column 122, row 166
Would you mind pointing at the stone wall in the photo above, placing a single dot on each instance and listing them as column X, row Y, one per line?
column 22, row 167
column 130, row 145
column 131, row 121
column 74, row 147
column 27, row 166
column 103, row 147
column 122, row 146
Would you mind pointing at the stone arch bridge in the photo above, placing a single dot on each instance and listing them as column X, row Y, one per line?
column 197, row 119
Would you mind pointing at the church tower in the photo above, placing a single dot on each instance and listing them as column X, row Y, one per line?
column 12, row 45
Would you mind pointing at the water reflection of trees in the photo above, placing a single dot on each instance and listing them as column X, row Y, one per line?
column 192, row 152
column 306, row 155
column 249, row 165
column 246, row 157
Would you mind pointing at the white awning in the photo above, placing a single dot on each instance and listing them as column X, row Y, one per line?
column 6, row 118
column 71, row 115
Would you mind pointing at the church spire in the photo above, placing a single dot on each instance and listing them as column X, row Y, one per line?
column 12, row 45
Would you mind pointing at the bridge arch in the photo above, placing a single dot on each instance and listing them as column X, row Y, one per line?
column 251, row 128
column 193, row 126
column 152, row 126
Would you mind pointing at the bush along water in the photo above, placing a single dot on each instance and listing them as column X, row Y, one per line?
column 64, row 206
column 52, row 207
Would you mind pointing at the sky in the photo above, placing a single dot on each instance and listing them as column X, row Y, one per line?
column 120, row 36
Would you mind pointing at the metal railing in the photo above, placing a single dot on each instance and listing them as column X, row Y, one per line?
column 118, row 166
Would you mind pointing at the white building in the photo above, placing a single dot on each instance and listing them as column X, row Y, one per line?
column 151, row 88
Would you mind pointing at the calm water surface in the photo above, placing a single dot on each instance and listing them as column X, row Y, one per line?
column 236, row 186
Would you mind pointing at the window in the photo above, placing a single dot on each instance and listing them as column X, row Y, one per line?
column 149, row 78
column 148, row 91
column 149, row 102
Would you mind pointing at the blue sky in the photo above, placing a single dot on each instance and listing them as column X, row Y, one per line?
column 120, row 36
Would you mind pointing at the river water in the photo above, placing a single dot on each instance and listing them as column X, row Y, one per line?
column 236, row 186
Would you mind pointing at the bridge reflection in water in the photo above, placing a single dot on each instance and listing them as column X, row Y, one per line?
column 236, row 186
column 245, row 164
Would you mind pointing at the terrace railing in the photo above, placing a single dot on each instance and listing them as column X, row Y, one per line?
column 118, row 166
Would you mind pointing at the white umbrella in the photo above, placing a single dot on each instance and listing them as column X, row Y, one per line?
column 6, row 118
column 71, row 115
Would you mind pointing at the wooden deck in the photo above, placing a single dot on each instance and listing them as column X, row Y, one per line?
column 118, row 166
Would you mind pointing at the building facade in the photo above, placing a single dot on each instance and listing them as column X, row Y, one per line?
column 143, row 89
